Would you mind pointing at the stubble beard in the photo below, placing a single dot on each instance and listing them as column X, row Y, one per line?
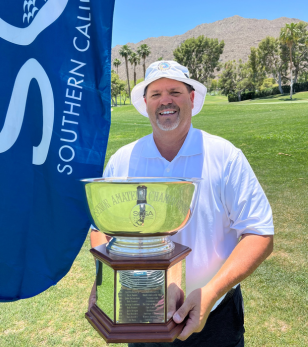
column 168, row 124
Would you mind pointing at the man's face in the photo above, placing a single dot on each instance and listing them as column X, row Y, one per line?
column 169, row 104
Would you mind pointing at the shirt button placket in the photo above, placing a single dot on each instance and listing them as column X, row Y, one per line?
column 168, row 171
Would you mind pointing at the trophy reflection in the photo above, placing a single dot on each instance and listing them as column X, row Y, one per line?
column 140, row 273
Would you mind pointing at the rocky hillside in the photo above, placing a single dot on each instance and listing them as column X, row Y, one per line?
column 238, row 33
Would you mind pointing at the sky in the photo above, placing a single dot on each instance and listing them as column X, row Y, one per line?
column 136, row 20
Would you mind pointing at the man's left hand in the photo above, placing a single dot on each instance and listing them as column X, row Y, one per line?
column 197, row 308
column 248, row 254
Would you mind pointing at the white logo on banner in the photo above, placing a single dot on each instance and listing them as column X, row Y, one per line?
column 29, row 12
column 31, row 69
column 15, row 114
column 50, row 12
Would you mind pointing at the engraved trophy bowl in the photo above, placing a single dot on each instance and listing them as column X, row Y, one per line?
column 141, row 213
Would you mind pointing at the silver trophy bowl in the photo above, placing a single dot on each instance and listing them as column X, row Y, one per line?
column 141, row 213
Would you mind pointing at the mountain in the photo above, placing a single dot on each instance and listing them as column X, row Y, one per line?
column 238, row 33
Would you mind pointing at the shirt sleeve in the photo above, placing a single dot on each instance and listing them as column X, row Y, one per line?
column 109, row 169
column 248, row 208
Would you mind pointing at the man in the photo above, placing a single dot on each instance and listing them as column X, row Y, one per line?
column 231, row 206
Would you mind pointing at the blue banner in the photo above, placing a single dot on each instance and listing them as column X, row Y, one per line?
column 54, row 126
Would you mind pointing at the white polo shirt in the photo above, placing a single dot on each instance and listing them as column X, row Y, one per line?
column 231, row 200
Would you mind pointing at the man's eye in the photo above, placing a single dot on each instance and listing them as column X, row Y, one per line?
column 155, row 94
column 175, row 92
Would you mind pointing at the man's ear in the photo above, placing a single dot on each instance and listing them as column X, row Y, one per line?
column 192, row 98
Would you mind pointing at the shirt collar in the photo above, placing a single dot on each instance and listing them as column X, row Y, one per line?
column 191, row 146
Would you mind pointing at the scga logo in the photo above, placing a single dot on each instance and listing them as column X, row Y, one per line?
column 38, row 20
column 142, row 215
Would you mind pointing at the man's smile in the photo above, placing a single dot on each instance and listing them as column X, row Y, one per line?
column 166, row 113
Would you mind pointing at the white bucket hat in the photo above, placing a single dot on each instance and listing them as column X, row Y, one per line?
column 174, row 71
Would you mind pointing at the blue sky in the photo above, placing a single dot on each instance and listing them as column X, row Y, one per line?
column 136, row 20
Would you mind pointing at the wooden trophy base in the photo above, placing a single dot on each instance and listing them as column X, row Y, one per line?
column 125, row 333
column 136, row 332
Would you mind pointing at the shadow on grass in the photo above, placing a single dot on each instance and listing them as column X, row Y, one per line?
column 288, row 99
column 270, row 97
column 280, row 97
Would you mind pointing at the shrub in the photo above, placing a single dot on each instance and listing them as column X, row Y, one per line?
column 297, row 87
column 266, row 92
column 232, row 97
column 300, row 87
column 248, row 95
column 268, row 83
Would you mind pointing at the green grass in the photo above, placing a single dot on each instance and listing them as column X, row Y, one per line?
column 273, row 135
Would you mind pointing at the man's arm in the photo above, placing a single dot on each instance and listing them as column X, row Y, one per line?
column 249, row 253
column 97, row 238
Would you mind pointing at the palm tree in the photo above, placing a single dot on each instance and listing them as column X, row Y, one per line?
column 116, row 64
column 143, row 51
column 289, row 35
column 134, row 59
column 125, row 52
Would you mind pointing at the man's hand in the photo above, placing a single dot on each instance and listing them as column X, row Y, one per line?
column 97, row 238
column 249, row 253
column 197, row 308
column 175, row 299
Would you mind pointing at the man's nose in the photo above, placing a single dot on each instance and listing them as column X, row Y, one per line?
column 166, row 99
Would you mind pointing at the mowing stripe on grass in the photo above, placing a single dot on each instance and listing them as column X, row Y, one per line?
column 275, row 102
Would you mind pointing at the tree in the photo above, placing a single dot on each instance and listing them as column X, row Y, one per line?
column 289, row 35
column 134, row 59
column 213, row 85
column 125, row 52
column 244, row 78
column 235, row 78
column 254, row 64
column 303, row 77
column 116, row 64
column 124, row 94
column 201, row 56
column 272, row 56
column 144, row 52
column 300, row 51
column 140, row 80
column 227, row 79
column 117, row 86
